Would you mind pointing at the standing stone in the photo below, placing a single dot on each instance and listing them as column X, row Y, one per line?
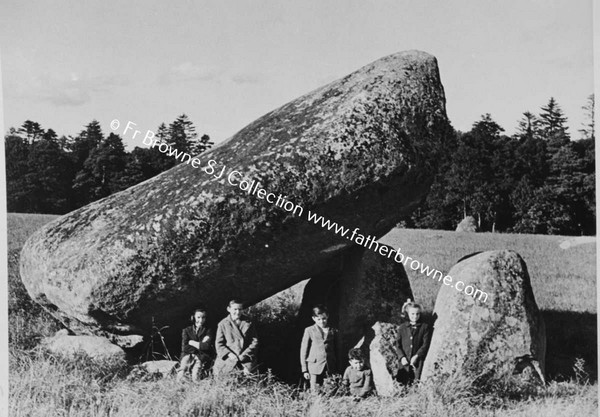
column 360, row 151
column 491, row 334
column 382, row 348
column 468, row 224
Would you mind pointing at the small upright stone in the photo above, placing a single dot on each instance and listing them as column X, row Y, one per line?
column 497, row 331
column 164, row 368
column 468, row 224
column 95, row 347
column 384, row 356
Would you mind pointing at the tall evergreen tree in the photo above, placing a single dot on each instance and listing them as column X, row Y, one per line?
column 161, row 161
column 477, row 172
column 133, row 173
column 474, row 180
column 182, row 134
column 16, row 150
column 49, row 179
column 85, row 142
column 50, row 135
column 529, row 160
column 101, row 172
column 588, row 126
column 528, row 126
column 553, row 126
column 32, row 131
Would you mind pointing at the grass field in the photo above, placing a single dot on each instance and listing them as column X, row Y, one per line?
column 563, row 280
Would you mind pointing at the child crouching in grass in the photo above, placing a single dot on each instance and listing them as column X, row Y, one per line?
column 356, row 377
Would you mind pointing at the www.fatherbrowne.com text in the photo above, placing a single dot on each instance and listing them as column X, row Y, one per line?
column 252, row 187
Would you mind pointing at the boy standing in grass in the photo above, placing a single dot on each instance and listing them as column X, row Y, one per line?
column 317, row 351
column 236, row 342
column 196, row 347
column 414, row 343
column 356, row 377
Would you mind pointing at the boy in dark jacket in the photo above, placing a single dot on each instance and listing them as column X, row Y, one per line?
column 318, row 349
column 196, row 347
column 414, row 343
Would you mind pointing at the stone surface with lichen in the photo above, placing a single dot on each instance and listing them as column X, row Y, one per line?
column 361, row 151
column 491, row 334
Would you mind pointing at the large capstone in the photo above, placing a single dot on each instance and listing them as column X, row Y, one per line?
column 494, row 333
column 360, row 151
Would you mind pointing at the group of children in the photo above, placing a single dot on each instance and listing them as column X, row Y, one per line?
column 236, row 345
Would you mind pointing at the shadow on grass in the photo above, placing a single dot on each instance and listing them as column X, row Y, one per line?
column 569, row 336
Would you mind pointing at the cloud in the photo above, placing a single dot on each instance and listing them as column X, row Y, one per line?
column 247, row 78
column 74, row 90
column 189, row 72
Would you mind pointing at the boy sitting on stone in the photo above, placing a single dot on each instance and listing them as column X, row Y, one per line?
column 196, row 347
column 236, row 343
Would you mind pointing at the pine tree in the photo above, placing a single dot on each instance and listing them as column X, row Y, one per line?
column 528, row 126
column 160, row 161
column 85, row 142
column 201, row 145
column 588, row 126
column 31, row 130
column 134, row 170
column 100, row 176
column 50, row 135
column 49, row 179
column 477, row 180
column 182, row 134
column 16, row 151
column 553, row 125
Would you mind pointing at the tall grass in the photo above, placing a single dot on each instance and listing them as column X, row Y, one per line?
column 45, row 385
column 27, row 321
column 564, row 284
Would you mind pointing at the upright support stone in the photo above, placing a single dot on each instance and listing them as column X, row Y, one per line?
column 496, row 332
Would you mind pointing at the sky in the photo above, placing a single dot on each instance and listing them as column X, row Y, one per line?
column 226, row 63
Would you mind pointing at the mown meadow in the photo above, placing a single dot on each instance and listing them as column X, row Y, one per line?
column 563, row 280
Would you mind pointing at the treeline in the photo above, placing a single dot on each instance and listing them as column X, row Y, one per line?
column 52, row 175
column 537, row 181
